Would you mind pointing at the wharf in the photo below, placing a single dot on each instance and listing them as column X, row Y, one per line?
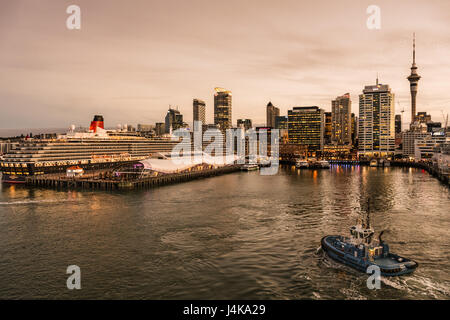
column 97, row 180
column 441, row 175
column 433, row 170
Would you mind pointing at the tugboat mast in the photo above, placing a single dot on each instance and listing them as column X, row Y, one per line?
column 368, row 215
column 365, row 223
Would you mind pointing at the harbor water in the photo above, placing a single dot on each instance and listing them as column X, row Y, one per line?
column 236, row 236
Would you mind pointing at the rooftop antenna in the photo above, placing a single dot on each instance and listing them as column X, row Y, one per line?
column 377, row 78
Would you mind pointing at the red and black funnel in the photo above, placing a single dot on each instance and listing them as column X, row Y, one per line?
column 97, row 123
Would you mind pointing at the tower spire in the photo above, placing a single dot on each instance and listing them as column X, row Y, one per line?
column 413, row 79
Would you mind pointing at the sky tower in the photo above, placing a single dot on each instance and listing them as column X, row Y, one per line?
column 413, row 81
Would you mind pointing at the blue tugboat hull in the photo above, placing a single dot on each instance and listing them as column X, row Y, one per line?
column 391, row 265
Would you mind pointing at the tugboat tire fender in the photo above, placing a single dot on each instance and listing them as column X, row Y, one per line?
column 414, row 265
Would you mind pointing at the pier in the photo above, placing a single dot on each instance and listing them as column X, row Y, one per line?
column 433, row 170
column 99, row 180
column 442, row 176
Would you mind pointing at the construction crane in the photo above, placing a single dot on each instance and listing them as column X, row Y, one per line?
column 445, row 116
column 402, row 111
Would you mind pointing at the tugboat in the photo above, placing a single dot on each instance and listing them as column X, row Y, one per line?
column 361, row 251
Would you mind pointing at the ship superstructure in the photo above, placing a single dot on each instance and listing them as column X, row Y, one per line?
column 94, row 149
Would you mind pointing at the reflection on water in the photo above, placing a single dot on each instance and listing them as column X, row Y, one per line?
column 236, row 236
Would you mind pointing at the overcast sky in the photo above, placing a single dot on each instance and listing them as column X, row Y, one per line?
column 132, row 59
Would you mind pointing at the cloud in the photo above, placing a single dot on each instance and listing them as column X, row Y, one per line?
column 130, row 61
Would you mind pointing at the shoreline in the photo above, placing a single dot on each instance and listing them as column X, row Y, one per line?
column 92, row 180
column 442, row 177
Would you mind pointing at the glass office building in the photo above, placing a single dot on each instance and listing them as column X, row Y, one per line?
column 222, row 109
column 306, row 127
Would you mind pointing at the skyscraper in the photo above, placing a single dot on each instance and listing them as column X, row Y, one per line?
column 281, row 122
column 271, row 113
column 398, row 124
column 244, row 123
column 160, row 128
column 328, row 128
column 398, row 132
column 413, row 79
column 423, row 117
column 305, row 127
column 341, row 112
column 354, row 129
column 222, row 109
column 376, row 121
column 174, row 120
column 199, row 109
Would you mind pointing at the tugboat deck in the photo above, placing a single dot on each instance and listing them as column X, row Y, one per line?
column 386, row 262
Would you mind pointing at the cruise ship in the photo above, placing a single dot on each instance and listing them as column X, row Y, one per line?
column 95, row 148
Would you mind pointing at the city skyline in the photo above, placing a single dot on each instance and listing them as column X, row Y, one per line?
column 239, row 158
column 64, row 76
